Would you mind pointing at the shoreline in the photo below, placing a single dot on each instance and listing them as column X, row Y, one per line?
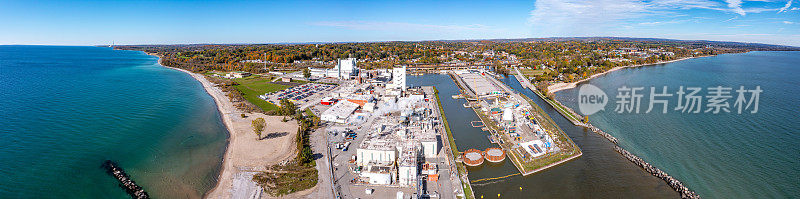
column 225, row 120
column 238, row 160
column 564, row 86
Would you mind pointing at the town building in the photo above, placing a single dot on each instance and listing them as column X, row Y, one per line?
column 339, row 112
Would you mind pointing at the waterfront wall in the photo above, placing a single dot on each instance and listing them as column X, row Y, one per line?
column 455, row 169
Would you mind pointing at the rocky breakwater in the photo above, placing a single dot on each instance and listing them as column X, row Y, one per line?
column 125, row 181
column 610, row 138
column 675, row 184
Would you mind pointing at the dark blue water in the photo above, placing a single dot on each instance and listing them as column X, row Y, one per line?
column 66, row 109
column 724, row 155
column 599, row 173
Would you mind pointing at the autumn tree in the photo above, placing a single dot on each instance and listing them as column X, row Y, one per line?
column 258, row 126
column 306, row 73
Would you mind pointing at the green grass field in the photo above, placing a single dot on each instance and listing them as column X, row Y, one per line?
column 252, row 87
column 531, row 72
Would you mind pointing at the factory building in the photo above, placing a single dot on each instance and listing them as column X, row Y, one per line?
column 407, row 164
column 377, row 149
column 344, row 69
column 339, row 112
column 398, row 78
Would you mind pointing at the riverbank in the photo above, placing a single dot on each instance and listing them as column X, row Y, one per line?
column 240, row 162
column 564, row 86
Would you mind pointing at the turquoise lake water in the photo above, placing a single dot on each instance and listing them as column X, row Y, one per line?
column 65, row 110
column 725, row 155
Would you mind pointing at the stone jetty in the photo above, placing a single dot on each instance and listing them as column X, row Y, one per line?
column 125, row 181
column 675, row 184
column 589, row 126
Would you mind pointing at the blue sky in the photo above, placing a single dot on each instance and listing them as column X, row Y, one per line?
column 180, row 22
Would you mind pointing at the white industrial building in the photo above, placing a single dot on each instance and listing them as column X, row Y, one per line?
column 508, row 115
column 476, row 82
column 398, row 78
column 378, row 149
column 339, row 112
column 407, row 164
column 344, row 69
column 400, row 139
column 430, row 147
column 379, row 174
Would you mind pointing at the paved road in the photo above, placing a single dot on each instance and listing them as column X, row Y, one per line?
column 524, row 81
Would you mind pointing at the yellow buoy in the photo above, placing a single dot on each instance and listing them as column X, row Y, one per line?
column 481, row 196
column 498, row 195
column 520, row 188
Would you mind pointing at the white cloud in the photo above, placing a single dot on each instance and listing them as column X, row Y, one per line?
column 736, row 6
column 582, row 18
column 586, row 17
column 641, row 18
column 788, row 4
column 788, row 22
column 686, row 4
column 760, row 10
column 663, row 22
column 651, row 23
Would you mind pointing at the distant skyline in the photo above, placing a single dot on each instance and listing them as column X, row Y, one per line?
column 190, row 22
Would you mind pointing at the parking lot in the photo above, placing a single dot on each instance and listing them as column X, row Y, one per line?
column 298, row 94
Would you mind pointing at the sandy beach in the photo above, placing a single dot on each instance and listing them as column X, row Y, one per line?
column 564, row 86
column 245, row 154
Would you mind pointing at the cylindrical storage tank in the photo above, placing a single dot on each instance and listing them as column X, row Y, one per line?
column 473, row 157
column 495, row 155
